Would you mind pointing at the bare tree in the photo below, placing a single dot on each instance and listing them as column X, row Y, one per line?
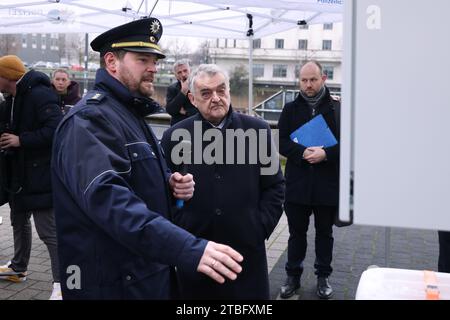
column 9, row 44
column 177, row 48
column 239, row 80
column 62, row 45
column 201, row 55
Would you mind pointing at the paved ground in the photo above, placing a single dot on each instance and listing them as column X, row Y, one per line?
column 356, row 248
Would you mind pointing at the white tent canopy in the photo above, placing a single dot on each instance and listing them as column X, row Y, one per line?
column 230, row 19
column 198, row 18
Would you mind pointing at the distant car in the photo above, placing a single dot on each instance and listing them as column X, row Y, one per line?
column 76, row 67
column 92, row 66
column 39, row 64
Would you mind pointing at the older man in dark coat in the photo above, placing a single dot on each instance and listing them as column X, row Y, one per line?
column 238, row 201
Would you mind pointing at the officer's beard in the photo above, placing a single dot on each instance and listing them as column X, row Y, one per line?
column 146, row 88
column 141, row 85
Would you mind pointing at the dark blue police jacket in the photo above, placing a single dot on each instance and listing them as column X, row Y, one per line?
column 112, row 201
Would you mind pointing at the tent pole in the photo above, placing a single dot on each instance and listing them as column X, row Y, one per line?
column 250, row 74
column 86, row 48
column 250, row 36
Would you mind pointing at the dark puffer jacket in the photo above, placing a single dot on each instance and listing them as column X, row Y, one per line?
column 35, row 116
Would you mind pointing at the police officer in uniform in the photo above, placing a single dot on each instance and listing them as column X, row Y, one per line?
column 113, row 191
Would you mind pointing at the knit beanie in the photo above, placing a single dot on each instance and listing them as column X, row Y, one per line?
column 11, row 67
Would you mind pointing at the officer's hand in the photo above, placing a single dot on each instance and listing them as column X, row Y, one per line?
column 219, row 261
column 317, row 155
column 9, row 140
column 182, row 186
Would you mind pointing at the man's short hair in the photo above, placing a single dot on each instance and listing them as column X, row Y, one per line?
column 118, row 53
column 180, row 62
column 209, row 69
column 60, row 71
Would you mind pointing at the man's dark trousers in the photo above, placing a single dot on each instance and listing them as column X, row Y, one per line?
column 298, row 221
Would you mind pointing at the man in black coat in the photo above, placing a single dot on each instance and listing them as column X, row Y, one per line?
column 177, row 101
column 238, row 197
column 32, row 115
column 312, row 180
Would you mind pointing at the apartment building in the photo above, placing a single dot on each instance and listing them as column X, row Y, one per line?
column 277, row 58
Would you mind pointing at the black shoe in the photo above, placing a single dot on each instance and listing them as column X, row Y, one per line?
column 324, row 290
column 290, row 286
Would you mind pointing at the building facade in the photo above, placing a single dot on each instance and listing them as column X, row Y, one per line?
column 35, row 47
column 277, row 58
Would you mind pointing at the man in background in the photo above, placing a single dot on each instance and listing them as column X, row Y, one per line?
column 68, row 90
column 31, row 116
column 177, row 101
column 312, row 180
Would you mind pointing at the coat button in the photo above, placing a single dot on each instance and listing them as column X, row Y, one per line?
column 218, row 212
column 128, row 278
column 218, row 176
column 34, row 165
column 135, row 155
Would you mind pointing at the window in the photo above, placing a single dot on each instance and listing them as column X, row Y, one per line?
column 297, row 71
column 226, row 43
column 326, row 45
column 279, row 71
column 217, row 43
column 43, row 43
column 279, row 43
column 34, row 43
column 303, row 44
column 257, row 44
column 54, row 44
column 24, row 41
column 234, row 43
column 304, row 26
column 327, row 26
column 258, row 70
column 329, row 72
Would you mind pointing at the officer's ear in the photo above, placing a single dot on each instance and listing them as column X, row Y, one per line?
column 110, row 61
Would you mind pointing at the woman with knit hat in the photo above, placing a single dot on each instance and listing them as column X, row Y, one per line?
column 30, row 116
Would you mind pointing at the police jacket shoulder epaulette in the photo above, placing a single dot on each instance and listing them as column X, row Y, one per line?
column 95, row 97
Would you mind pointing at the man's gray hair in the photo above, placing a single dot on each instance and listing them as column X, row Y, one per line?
column 211, row 70
column 180, row 62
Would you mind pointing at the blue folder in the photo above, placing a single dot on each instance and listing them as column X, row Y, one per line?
column 314, row 133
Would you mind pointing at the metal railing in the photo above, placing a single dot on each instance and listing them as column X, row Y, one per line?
column 270, row 109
